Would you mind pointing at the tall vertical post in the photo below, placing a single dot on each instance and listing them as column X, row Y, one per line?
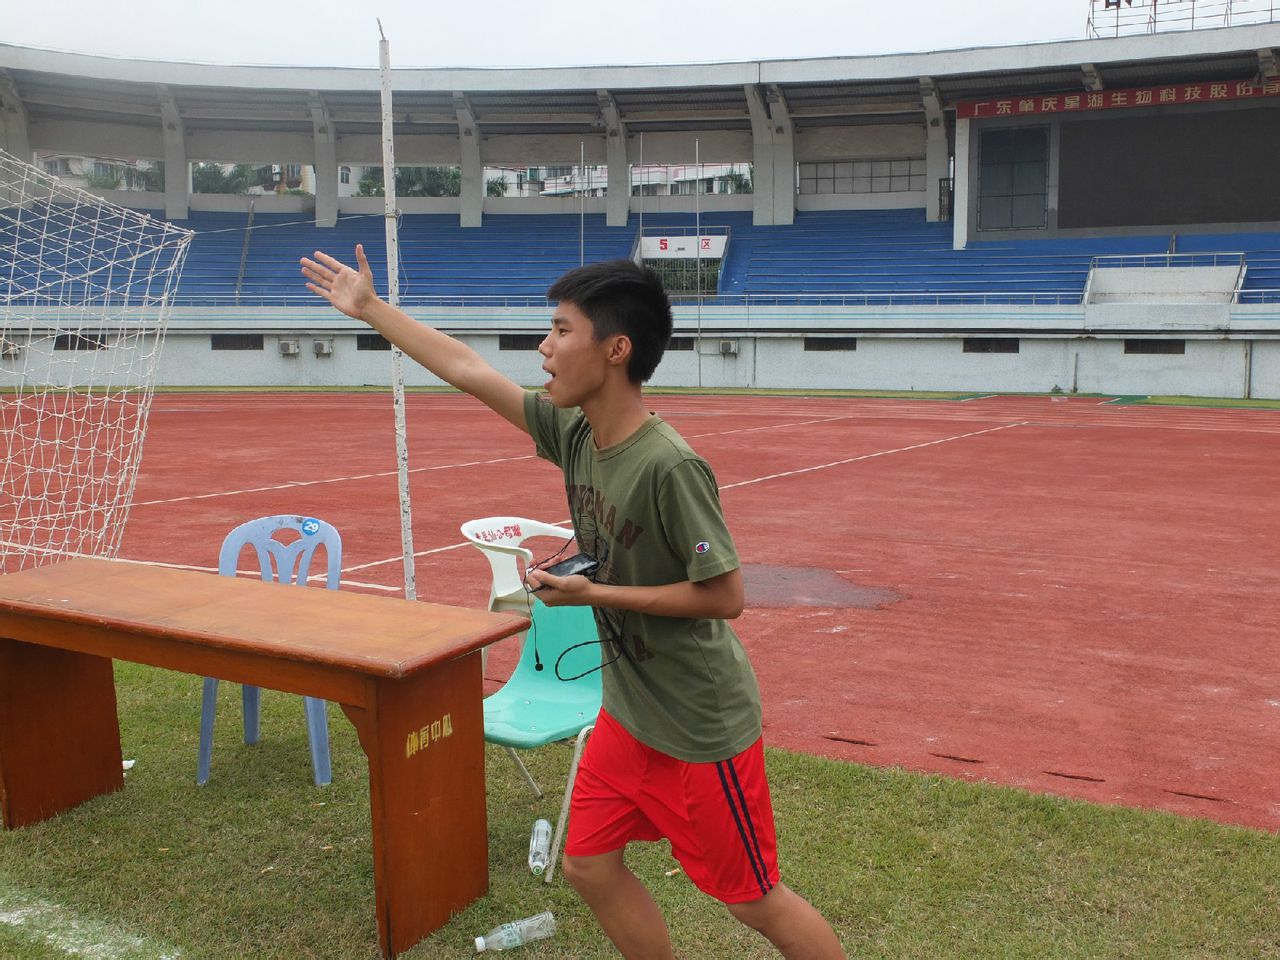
column 697, row 242
column 393, row 298
column 582, row 203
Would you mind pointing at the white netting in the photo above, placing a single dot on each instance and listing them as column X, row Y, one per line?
column 85, row 292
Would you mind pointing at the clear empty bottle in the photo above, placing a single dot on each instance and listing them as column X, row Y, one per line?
column 518, row 933
column 539, row 846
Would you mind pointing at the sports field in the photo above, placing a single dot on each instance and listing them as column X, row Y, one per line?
column 1072, row 598
column 1075, row 596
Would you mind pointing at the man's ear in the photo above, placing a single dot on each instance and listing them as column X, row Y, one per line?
column 619, row 350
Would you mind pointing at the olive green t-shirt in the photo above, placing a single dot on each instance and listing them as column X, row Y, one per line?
column 649, row 510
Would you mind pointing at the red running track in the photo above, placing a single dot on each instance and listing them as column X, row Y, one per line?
column 1069, row 596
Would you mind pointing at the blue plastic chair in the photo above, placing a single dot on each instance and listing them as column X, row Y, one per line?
column 286, row 564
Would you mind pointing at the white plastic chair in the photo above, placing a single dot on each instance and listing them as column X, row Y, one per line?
column 286, row 564
column 500, row 539
column 535, row 707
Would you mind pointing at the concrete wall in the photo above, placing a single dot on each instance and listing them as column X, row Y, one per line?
column 1229, row 351
column 1227, row 354
column 1209, row 368
column 1164, row 284
column 861, row 142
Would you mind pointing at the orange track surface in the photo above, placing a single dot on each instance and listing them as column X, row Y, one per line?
column 1069, row 596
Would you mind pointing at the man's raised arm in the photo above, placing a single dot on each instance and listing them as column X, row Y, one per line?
column 352, row 292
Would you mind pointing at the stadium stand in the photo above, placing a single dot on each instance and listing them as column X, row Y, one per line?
column 899, row 209
column 888, row 256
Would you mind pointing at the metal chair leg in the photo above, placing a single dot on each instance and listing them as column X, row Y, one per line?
column 528, row 777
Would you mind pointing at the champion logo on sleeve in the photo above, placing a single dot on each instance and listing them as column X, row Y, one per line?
column 702, row 547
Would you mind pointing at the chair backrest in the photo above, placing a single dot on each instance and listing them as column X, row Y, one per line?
column 284, row 562
column 500, row 539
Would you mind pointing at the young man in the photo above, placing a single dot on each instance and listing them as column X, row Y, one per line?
column 676, row 751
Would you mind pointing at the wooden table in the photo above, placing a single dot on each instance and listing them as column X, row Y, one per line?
column 406, row 674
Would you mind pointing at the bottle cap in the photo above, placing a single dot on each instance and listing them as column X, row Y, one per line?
column 537, row 869
column 479, row 944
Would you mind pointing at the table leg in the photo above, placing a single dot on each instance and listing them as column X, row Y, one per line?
column 59, row 735
column 424, row 737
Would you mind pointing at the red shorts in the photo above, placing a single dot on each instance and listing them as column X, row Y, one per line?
column 717, row 816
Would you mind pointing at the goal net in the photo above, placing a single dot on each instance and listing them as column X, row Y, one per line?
column 85, row 293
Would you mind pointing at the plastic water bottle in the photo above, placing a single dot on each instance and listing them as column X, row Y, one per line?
column 518, row 933
column 539, row 846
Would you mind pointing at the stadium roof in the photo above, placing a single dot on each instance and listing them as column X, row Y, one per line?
column 56, row 86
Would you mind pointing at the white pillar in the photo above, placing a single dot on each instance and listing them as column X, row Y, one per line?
column 14, row 137
column 761, row 158
column 177, row 171
column 472, row 199
column 618, row 197
column 784, row 163
column 960, row 189
column 326, row 163
column 773, row 157
column 937, row 159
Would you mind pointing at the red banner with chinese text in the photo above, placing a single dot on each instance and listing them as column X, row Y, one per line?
column 1177, row 93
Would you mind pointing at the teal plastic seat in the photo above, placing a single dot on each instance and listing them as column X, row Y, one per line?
column 535, row 707
column 286, row 564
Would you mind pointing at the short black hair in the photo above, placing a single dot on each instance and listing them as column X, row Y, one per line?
column 622, row 297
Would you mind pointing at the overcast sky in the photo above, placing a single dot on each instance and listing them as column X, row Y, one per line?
column 525, row 33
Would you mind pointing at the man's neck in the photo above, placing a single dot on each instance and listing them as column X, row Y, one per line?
column 615, row 414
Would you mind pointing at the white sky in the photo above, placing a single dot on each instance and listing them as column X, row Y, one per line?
column 526, row 32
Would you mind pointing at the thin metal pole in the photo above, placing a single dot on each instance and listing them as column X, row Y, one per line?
column 697, row 242
column 393, row 298
column 582, row 203
column 640, row 205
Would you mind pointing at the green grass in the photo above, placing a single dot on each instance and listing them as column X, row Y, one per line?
column 261, row 864
column 1205, row 402
column 814, row 392
column 779, row 392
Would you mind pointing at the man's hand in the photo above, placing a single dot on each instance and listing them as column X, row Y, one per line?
column 572, row 591
column 348, row 290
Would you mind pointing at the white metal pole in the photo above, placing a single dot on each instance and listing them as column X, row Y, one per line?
column 582, row 203
column 640, row 205
column 697, row 242
column 393, row 297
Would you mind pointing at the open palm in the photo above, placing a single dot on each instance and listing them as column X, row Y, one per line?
column 350, row 291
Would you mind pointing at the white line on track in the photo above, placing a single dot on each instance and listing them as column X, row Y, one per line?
column 39, row 921
column 255, row 575
column 771, row 426
column 442, row 466
column 870, row 456
column 886, row 408
column 743, row 483
column 311, row 483
column 400, row 558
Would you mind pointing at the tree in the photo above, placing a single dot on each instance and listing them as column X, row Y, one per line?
column 108, row 179
column 414, row 182
column 211, row 178
column 496, row 187
column 740, row 182
column 150, row 177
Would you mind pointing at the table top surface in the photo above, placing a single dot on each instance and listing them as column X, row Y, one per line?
column 377, row 636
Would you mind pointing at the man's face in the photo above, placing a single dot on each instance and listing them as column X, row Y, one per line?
column 576, row 362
